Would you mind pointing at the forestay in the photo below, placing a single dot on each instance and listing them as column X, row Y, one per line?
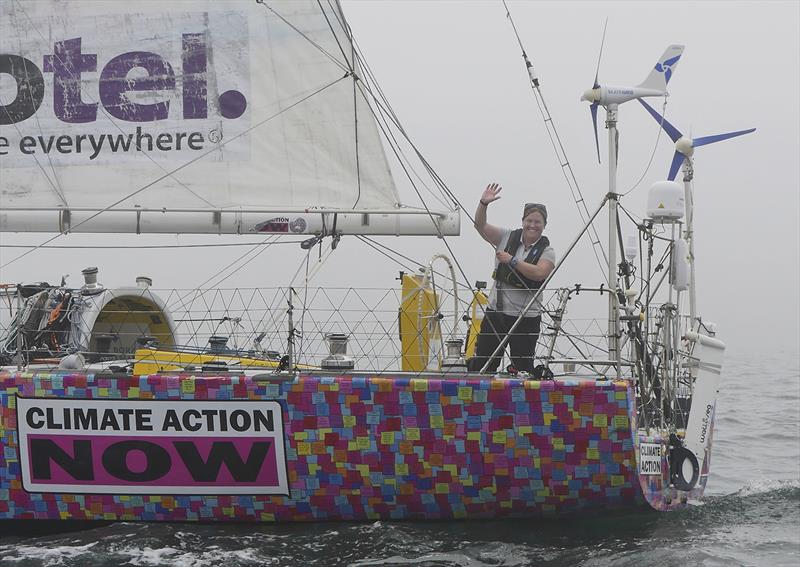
column 195, row 117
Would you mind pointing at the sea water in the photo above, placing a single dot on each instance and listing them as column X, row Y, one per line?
column 749, row 516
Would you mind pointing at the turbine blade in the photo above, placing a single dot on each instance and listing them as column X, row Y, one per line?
column 600, row 56
column 593, row 109
column 671, row 131
column 677, row 161
column 697, row 142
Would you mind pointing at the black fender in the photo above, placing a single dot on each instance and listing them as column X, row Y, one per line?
column 679, row 458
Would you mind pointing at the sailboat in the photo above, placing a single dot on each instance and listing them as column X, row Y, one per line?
column 261, row 118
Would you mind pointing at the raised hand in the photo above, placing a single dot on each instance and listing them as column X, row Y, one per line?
column 491, row 193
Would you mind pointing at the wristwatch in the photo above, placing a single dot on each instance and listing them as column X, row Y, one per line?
column 513, row 263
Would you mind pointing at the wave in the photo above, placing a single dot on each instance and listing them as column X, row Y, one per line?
column 789, row 488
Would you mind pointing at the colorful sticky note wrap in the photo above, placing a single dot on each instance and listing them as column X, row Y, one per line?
column 361, row 447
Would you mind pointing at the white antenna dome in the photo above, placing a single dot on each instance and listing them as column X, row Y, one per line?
column 665, row 201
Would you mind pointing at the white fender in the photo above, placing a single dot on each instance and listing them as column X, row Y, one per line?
column 680, row 265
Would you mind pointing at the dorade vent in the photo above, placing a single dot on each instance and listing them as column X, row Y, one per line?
column 90, row 286
column 90, row 275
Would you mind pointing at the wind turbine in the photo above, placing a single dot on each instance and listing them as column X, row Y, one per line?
column 610, row 97
column 684, row 149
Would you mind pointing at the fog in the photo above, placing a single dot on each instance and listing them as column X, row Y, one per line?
column 454, row 75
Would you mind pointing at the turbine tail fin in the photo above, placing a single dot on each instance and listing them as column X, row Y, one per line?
column 661, row 74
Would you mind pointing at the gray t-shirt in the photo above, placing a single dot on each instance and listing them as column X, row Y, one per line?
column 515, row 300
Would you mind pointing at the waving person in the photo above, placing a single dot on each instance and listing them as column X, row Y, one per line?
column 523, row 260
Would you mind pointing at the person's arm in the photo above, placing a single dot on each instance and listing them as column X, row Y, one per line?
column 535, row 272
column 490, row 233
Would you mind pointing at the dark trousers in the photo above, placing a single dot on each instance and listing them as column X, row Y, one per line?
column 494, row 328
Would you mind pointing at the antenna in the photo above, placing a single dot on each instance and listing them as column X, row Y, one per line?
column 684, row 146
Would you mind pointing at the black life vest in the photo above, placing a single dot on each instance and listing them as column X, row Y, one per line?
column 508, row 275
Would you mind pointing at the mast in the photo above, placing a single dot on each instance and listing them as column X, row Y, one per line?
column 688, row 175
column 613, row 308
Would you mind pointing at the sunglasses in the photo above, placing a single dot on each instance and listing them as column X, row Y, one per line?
column 535, row 206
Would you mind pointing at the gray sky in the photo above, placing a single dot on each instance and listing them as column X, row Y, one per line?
column 454, row 75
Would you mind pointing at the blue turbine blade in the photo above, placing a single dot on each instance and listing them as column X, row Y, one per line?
column 671, row 131
column 697, row 142
column 593, row 109
column 677, row 161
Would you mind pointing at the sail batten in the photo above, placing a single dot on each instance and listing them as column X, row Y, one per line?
column 184, row 106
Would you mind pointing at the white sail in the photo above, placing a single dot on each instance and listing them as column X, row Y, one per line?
column 199, row 116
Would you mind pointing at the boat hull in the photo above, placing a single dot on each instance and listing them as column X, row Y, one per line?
column 350, row 447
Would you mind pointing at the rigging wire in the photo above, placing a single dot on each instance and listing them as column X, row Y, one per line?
column 309, row 275
column 221, row 270
column 418, row 193
column 349, row 63
column 304, row 35
column 561, row 154
column 384, row 124
column 414, row 186
column 357, row 58
column 387, row 113
column 351, row 67
column 198, row 293
column 264, row 246
column 375, row 245
column 655, row 147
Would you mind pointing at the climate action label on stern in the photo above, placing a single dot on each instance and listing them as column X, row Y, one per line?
column 650, row 458
column 152, row 447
